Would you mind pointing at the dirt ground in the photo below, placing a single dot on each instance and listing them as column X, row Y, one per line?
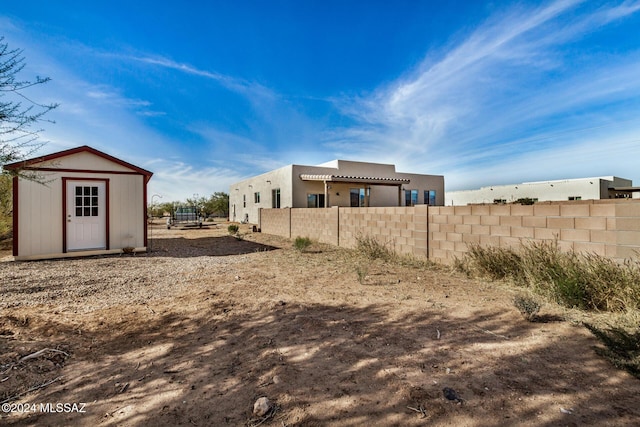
column 194, row 332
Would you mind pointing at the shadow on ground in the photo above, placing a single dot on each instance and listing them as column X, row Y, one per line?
column 332, row 365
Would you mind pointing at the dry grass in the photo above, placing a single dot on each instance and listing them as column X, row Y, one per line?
column 584, row 281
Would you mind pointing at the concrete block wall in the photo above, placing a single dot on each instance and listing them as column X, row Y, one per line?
column 609, row 228
column 403, row 229
column 604, row 227
column 275, row 221
column 317, row 224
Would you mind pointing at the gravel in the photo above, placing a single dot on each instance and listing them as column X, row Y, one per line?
column 87, row 284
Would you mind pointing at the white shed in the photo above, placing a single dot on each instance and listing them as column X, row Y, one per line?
column 90, row 204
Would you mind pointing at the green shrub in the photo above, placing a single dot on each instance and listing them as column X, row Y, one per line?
column 528, row 306
column 233, row 229
column 302, row 243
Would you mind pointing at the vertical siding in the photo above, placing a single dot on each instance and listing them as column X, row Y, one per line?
column 126, row 214
column 40, row 216
column 40, row 210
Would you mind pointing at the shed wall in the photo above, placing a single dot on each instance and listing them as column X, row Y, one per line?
column 40, row 210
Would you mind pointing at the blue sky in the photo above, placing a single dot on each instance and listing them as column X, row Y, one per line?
column 205, row 93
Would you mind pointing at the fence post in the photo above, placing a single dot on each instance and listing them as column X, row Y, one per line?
column 428, row 256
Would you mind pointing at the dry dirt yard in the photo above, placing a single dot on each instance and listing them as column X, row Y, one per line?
column 197, row 330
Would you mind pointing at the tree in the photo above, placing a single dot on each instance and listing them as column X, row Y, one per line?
column 219, row 203
column 18, row 112
column 5, row 207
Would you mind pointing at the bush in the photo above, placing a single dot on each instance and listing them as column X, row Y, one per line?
column 528, row 306
column 362, row 271
column 585, row 281
column 302, row 243
column 371, row 248
column 233, row 229
column 498, row 263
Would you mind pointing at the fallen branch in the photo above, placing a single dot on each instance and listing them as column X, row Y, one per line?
column 40, row 353
column 492, row 333
column 34, row 388
column 419, row 410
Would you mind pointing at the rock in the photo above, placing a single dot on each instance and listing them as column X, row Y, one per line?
column 276, row 379
column 262, row 407
column 451, row 394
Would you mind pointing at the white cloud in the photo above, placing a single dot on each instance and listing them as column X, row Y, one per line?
column 493, row 98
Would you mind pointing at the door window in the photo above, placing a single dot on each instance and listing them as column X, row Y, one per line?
column 86, row 201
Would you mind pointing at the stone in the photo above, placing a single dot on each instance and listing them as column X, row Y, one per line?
column 262, row 407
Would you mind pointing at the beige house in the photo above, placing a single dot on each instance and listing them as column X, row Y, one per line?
column 90, row 204
column 336, row 183
column 604, row 187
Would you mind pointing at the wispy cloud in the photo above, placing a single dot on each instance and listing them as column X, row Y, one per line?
column 176, row 180
column 487, row 95
column 232, row 83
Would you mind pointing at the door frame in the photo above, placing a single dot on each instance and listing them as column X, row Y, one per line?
column 64, row 209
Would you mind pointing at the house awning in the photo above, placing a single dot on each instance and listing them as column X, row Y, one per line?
column 355, row 179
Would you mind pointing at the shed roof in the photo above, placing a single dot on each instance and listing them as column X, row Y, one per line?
column 29, row 163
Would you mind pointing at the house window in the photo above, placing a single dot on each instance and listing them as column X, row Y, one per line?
column 575, row 197
column 411, row 197
column 256, row 197
column 244, row 200
column 357, row 197
column 315, row 200
column 275, row 198
column 430, row 197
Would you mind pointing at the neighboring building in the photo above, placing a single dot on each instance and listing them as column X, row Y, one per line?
column 91, row 204
column 336, row 183
column 606, row 187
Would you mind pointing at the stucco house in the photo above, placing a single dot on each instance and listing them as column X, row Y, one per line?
column 336, row 183
column 604, row 187
column 89, row 203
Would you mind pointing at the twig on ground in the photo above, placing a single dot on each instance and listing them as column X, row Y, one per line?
column 255, row 422
column 419, row 410
column 492, row 333
column 40, row 353
column 34, row 388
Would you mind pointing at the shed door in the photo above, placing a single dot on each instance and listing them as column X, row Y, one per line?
column 86, row 215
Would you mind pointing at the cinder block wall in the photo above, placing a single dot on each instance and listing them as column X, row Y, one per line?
column 604, row 227
column 404, row 229
column 318, row 224
column 275, row 221
column 442, row 233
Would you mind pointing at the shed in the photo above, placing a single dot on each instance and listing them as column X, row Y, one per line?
column 89, row 203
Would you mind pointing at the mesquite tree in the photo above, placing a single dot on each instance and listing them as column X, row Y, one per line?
column 19, row 113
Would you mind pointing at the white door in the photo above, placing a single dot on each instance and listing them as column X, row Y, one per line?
column 86, row 215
